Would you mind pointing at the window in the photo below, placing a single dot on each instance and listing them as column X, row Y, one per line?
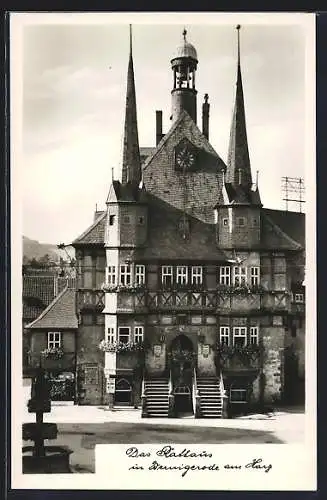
column 299, row 297
column 126, row 219
column 255, row 277
column 167, row 275
column 140, row 220
column 240, row 221
column 225, row 222
column 111, row 220
column 224, row 335
column 181, row 275
column 254, row 222
column 138, row 334
column 125, row 274
column 254, row 335
column 54, row 340
column 224, row 276
column 239, row 336
column 238, row 395
column 111, row 337
column 123, row 334
column 239, row 275
column 111, row 276
column 139, row 274
column 196, row 275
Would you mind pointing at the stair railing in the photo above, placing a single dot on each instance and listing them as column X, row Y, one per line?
column 196, row 397
column 171, row 398
column 224, row 397
column 143, row 398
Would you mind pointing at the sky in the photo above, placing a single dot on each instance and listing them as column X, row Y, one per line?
column 74, row 87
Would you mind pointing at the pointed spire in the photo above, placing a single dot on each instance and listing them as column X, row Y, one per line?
column 238, row 163
column 131, row 168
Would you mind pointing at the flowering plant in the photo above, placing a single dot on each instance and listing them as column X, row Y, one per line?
column 246, row 353
column 123, row 288
column 121, row 347
column 53, row 353
column 181, row 355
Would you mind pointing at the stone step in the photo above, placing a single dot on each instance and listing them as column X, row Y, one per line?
column 157, row 405
column 154, row 415
column 211, row 407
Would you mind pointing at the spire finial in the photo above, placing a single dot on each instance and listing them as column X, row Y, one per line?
column 184, row 34
column 238, row 27
column 130, row 39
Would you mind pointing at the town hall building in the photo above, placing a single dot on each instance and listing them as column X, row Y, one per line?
column 190, row 294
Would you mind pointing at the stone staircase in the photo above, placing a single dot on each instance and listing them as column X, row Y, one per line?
column 157, row 400
column 211, row 405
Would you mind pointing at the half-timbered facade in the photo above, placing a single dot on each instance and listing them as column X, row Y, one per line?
column 190, row 294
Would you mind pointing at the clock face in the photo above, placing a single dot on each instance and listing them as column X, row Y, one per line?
column 185, row 158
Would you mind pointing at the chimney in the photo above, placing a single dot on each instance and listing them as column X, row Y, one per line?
column 205, row 116
column 158, row 127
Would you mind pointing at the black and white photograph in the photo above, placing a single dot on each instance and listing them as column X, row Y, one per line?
column 163, row 217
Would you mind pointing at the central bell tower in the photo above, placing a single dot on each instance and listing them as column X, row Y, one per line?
column 184, row 64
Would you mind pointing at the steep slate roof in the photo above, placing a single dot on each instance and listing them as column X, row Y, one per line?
column 166, row 242
column 131, row 167
column 125, row 192
column 94, row 234
column 275, row 237
column 238, row 162
column 291, row 223
column 38, row 293
column 59, row 314
column 146, row 151
column 184, row 121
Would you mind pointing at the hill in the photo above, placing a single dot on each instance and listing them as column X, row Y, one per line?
column 35, row 249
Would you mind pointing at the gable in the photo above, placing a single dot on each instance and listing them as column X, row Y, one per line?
column 197, row 191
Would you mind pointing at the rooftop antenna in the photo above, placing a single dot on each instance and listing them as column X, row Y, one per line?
column 293, row 189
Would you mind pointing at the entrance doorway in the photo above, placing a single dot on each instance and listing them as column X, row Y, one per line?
column 123, row 392
column 182, row 360
column 183, row 401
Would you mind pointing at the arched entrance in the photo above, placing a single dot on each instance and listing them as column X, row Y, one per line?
column 123, row 392
column 181, row 358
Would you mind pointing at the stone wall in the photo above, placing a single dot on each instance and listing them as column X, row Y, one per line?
column 90, row 362
column 273, row 338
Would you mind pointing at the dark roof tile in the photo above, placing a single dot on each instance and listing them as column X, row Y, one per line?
column 59, row 314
